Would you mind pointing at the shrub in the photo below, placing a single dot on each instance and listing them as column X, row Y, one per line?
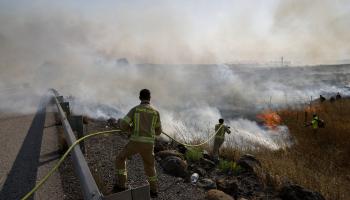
column 229, row 166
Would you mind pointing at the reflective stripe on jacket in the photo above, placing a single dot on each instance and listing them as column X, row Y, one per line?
column 144, row 121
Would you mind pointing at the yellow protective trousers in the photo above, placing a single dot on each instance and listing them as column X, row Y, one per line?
column 217, row 144
column 146, row 152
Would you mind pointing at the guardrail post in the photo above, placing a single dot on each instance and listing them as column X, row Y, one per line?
column 60, row 99
column 65, row 107
column 77, row 125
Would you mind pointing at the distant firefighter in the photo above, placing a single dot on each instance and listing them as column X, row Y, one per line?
column 332, row 99
column 316, row 123
column 322, row 98
column 338, row 96
column 144, row 122
column 220, row 130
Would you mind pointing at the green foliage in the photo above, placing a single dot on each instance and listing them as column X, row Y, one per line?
column 194, row 154
column 226, row 166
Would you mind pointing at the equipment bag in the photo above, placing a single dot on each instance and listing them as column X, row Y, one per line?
column 321, row 123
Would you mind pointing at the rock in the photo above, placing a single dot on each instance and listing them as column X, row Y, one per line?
column 167, row 153
column 217, row 195
column 160, row 144
column 206, row 155
column 158, row 159
column 228, row 185
column 181, row 148
column 194, row 168
column 207, row 184
column 249, row 184
column 249, row 162
column 200, row 171
column 174, row 166
column 206, row 164
column 179, row 180
column 296, row 192
column 111, row 121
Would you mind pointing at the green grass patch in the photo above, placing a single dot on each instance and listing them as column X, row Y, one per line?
column 227, row 166
column 194, row 154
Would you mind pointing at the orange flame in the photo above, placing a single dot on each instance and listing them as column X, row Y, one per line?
column 270, row 119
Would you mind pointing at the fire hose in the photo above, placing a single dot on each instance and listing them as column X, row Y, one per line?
column 43, row 180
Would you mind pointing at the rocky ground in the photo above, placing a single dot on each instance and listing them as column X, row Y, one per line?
column 174, row 172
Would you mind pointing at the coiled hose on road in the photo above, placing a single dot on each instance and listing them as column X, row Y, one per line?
column 42, row 181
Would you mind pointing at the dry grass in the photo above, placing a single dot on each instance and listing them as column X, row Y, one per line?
column 318, row 160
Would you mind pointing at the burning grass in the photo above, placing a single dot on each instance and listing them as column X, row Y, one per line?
column 318, row 160
column 270, row 119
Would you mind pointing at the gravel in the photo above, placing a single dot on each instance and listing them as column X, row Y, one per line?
column 70, row 183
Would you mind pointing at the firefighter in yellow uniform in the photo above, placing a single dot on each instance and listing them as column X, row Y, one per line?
column 220, row 130
column 314, row 122
column 145, row 125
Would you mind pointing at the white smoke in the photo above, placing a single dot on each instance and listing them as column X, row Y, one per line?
column 246, row 134
column 192, row 98
column 50, row 45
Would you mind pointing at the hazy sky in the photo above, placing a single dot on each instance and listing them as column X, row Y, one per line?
column 182, row 31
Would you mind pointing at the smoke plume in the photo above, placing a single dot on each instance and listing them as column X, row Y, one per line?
column 74, row 49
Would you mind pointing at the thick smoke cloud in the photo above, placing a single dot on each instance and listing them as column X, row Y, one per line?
column 319, row 29
column 62, row 47
column 177, row 31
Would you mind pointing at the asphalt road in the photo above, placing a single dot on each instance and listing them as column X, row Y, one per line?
column 28, row 150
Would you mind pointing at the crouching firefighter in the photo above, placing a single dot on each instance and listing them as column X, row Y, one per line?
column 317, row 123
column 144, row 122
column 220, row 130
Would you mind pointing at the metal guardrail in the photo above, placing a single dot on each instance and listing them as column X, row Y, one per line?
column 89, row 187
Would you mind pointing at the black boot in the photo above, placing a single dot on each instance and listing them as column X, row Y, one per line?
column 117, row 189
column 154, row 194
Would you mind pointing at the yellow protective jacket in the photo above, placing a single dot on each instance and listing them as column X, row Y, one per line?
column 220, row 130
column 314, row 122
column 144, row 122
